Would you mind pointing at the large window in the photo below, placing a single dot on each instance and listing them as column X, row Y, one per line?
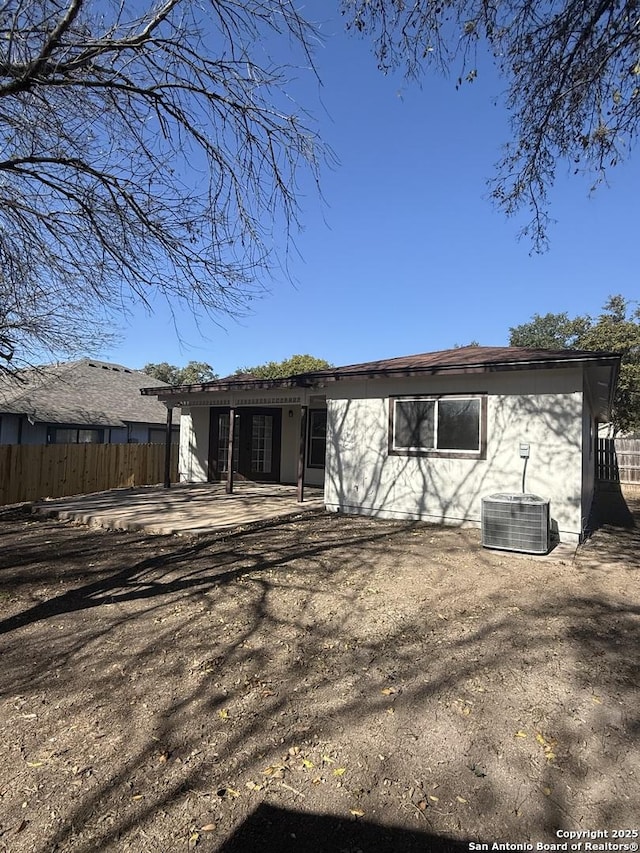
column 317, row 448
column 438, row 426
column 74, row 435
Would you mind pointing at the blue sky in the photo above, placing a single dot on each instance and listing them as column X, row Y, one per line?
column 405, row 253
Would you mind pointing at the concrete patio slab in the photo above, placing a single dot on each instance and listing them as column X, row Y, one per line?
column 184, row 509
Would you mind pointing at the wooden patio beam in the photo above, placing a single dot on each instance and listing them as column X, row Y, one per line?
column 302, row 452
column 232, row 424
column 167, row 448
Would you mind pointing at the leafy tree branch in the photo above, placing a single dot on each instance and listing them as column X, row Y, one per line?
column 616, row 329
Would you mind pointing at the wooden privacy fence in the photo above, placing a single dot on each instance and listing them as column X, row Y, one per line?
column 33, row 472
column 619, row 460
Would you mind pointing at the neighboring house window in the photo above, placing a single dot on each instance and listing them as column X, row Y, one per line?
column 159, row 436
column 73, row 435
column 438, row 426
column 317, row 447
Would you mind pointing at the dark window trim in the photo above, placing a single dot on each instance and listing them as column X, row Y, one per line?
column 309, row 438
column 243, row 417
column 435, row 453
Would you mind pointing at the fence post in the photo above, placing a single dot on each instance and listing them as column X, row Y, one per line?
column 167, row 449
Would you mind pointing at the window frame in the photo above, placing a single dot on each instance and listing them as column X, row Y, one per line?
column 435, row 452
column 53, row 429
column 311, row 438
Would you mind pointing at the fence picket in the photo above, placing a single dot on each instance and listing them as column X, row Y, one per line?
column 31, row 472
column 619, row 460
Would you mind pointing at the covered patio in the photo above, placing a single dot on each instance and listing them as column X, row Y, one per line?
column 243, row 429
column 185, row 509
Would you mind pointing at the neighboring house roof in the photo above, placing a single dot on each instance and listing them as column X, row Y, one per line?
column 85, row 392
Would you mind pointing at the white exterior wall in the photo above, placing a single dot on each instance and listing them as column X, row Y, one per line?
column 543, row 408
column 193, row 459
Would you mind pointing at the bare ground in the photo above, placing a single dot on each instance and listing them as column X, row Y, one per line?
column 325, row 683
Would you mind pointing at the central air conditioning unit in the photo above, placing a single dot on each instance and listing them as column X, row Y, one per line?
column 516, row 522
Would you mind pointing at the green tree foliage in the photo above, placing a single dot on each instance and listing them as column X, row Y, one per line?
column 616, row 329
column 289, row 367
column 550, row 331
column 194, row 372
column 571, row 70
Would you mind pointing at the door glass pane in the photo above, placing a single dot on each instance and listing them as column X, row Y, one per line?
column 223, row 443
column 261, row 443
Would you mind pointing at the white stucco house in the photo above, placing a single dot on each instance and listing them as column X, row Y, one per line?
column 418, row 437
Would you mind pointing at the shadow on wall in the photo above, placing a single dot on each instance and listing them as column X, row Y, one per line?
column 363, row 477
column 274, row 828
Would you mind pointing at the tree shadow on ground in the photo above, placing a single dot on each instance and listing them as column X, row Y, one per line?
column 279, row 829
column 610, row 507
column 149, row 577
column 342, row 664
column 615, row 533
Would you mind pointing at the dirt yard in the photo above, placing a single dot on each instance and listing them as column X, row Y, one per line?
column 322, row 684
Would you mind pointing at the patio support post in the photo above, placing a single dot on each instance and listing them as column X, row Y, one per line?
column 167, row 449
column 232, row 423
column 301, row 453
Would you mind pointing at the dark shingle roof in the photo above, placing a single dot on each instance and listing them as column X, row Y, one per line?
column 81, row 392
column 459, row 359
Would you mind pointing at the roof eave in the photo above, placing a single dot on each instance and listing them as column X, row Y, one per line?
column 598, row 359
column 224, row 388
column 320, row 378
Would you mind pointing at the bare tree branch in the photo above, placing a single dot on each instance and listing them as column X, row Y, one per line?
column 572, row 70
column 145, row 154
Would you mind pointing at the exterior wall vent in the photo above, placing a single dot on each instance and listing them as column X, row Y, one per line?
column 516, row 522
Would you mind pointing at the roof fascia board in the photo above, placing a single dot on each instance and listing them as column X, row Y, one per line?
column 257, row 385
